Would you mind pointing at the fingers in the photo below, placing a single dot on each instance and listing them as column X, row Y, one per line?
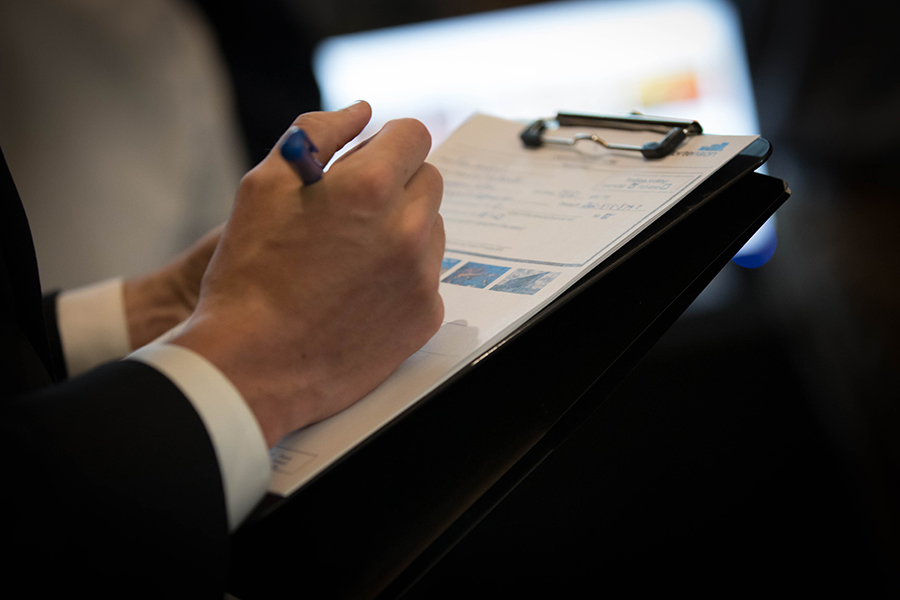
column 438, row 243
column 403, row 144
column 331, row 131
column 421, row 215
column 425, row 190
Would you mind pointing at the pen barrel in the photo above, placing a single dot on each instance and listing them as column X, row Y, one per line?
column 298, row 150
column 309, row 169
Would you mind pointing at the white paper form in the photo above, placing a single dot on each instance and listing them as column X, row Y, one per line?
column 522, row 226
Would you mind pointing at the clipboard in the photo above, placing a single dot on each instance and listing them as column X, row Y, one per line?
column 391, row 506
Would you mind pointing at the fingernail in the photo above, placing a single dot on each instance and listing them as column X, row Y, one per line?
column 354, row 106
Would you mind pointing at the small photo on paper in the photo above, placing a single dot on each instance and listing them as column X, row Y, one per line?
column 448, row 263
column 525, row 281
column 476, row 275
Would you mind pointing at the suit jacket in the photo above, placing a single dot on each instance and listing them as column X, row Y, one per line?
column 111, row 483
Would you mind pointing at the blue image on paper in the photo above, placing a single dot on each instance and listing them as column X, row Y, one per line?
column 447, row 264
column 525, row 281
column 476, row 275
column 714, row 147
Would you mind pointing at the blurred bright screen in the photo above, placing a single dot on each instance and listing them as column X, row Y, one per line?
column 668, row 58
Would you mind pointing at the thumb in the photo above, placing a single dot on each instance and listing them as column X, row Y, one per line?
column 331, row 131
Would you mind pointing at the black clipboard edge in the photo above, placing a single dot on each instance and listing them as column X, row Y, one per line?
column 559, row 432
column 743, row 164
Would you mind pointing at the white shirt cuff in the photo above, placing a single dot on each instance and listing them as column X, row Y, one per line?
column 236, row 436
column 92, row 325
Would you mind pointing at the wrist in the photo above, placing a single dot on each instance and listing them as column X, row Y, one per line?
column 276, row 402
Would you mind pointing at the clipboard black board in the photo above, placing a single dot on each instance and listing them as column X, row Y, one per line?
column 372, row 523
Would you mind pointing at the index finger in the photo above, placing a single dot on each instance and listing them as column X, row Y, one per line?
column 331, row 131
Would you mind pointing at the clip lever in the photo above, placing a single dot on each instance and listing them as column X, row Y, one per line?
column 676, row 131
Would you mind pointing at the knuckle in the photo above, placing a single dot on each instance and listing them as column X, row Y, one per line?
column 310, row 118
column 267, row 181
column 377, row 179
column 433, row 175
column 411, row 129
column 409, row 247
column 255, row 180
column 417, row 129
column 412, row 237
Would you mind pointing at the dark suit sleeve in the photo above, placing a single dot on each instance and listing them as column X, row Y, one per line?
column 112, row 480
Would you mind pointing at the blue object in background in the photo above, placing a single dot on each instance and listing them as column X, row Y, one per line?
column 759, row 248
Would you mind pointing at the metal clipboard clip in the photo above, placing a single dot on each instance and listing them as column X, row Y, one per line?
column 675, row 130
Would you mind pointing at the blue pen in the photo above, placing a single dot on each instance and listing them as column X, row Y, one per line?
column 298, row 150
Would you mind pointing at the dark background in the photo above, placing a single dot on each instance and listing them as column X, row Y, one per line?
column 757, row 445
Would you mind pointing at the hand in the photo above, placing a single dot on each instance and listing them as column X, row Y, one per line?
column 157, row 302
column 316, row 294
